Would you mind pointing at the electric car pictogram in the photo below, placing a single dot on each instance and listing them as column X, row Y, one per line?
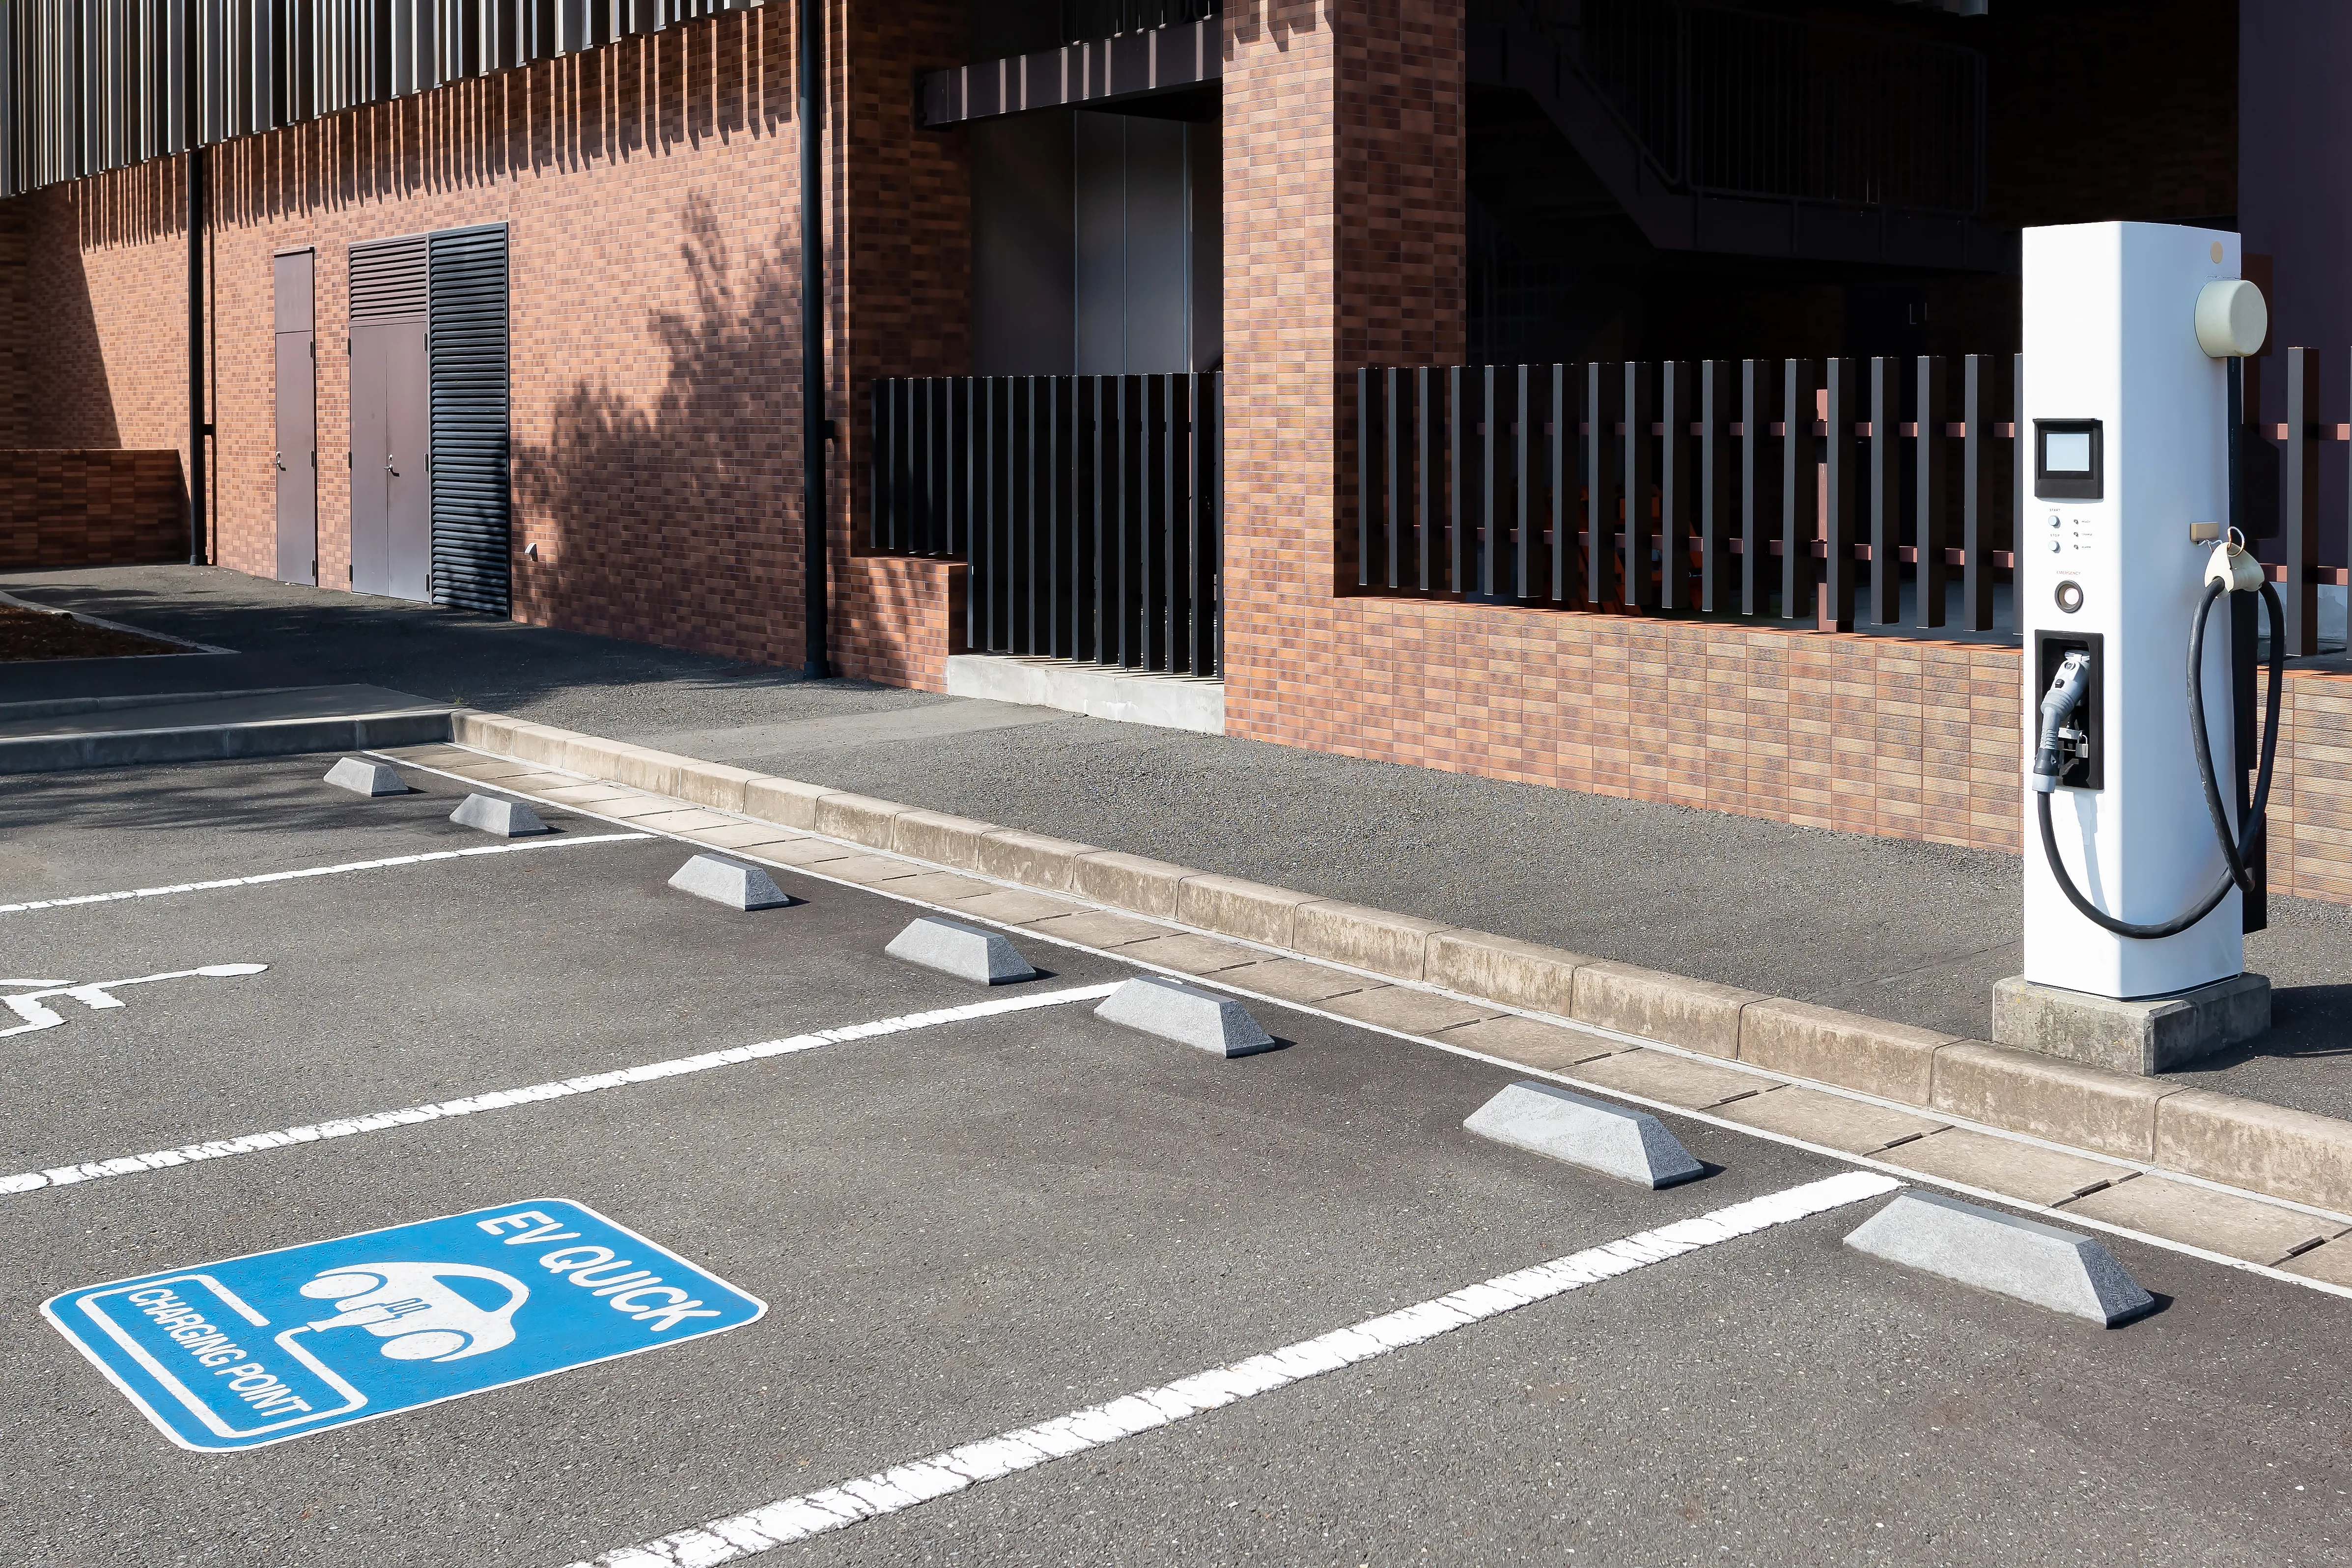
column 418, row 1317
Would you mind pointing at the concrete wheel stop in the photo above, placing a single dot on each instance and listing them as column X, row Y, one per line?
column 2063, row 1271
column 1631, row 1145
column 495, row 814
column 1218, row 1025
column 365, row 778
column 968, row 953
column 737, row 884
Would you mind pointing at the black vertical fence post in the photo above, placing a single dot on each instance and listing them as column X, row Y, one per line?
column 1932, row 504
column 1396, row 451
column 964, row 464
column 1526, row 499
column 1677, row 485
column 1755, row 400
column 1149, row 518
column 1057, row 489
column 1604, row 385
column 1976, row 494
column 1134, row 504
column 1494, row 569
column 1800, row 494
column 1886, row 492
column 885, row 512
column 2300, row 515
column 1567, row 561
column 1834, row 610
column 1458, row 515
column 1429, row 469
column 1639, row 478
column 1103, row 632
column 2021, row 465
column 1367, row 502
column 1715, row 484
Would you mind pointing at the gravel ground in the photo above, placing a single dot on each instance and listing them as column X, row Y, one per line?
column 1898, row 929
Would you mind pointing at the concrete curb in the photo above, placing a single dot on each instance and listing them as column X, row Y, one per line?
column 2244, row 1143
column 219, row 742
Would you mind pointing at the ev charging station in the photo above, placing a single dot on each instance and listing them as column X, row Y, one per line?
column 2137, row 837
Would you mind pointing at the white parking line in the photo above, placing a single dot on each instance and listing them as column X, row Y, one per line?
column 98, row 996
column 499, row 1099
column 560, row 843
column 797, row 1519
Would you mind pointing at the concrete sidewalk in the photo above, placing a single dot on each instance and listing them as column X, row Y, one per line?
column 1912, row 932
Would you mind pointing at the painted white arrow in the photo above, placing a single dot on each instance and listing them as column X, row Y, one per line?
column 97, row 995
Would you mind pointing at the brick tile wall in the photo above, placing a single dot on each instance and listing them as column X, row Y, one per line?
column 1343, row 245
column 109, row 507
column 652, row 194
column 16, row 322
column 906, row 303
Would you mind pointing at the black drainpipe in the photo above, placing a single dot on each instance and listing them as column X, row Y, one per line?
column 193, row 175
column 197, row 428
column 814, row 425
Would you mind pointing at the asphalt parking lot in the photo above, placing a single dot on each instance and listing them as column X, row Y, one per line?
column 972, row 1225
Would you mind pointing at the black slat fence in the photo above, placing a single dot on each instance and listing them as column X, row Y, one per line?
column 1509, row 483
column 1089, row 508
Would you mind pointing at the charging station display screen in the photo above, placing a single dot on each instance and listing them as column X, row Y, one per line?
column 2066, row 459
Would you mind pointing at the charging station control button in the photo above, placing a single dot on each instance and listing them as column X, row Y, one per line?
column 2070, row 595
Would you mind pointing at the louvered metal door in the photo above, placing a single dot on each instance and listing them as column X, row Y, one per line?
column 392, row 513
column 296, row 456
column 471, row 515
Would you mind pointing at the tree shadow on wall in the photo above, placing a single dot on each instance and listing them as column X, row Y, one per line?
column 669, row 503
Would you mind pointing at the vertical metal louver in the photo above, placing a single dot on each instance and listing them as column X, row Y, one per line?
column 466, row 351
column 91, row 85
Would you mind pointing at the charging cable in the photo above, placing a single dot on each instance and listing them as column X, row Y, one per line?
column 2231, row 570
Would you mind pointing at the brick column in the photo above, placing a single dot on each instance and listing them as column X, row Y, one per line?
column 1343, row 236
column 15, row 325
column 903, row 197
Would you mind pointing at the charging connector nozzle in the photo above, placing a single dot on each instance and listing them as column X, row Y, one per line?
column 2065, row 694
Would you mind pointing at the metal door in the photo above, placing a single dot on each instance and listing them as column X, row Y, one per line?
column 297, row 452
column 392, row 487
column 407, row 465
column 370, row 541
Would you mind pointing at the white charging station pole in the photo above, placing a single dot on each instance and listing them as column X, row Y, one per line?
column 2125, row 425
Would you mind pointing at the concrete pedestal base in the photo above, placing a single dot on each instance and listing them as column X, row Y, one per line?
column 2150, row 1035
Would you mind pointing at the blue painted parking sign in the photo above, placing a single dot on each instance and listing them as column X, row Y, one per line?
column 260, row 1349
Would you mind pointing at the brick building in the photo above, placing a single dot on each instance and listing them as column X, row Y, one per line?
column 1101, row 279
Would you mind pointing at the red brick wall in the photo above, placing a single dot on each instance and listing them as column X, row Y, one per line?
column 1343, row 245
column 905, row 263
column 652, row 193
column 1890, row 736
column 2109, row 109
column 90, row 508
column 15, row 319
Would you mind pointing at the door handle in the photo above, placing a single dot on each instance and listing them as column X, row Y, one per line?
column 388, row 468
column 280, row 458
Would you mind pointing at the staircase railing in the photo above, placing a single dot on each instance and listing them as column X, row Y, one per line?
column 1735, row 102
